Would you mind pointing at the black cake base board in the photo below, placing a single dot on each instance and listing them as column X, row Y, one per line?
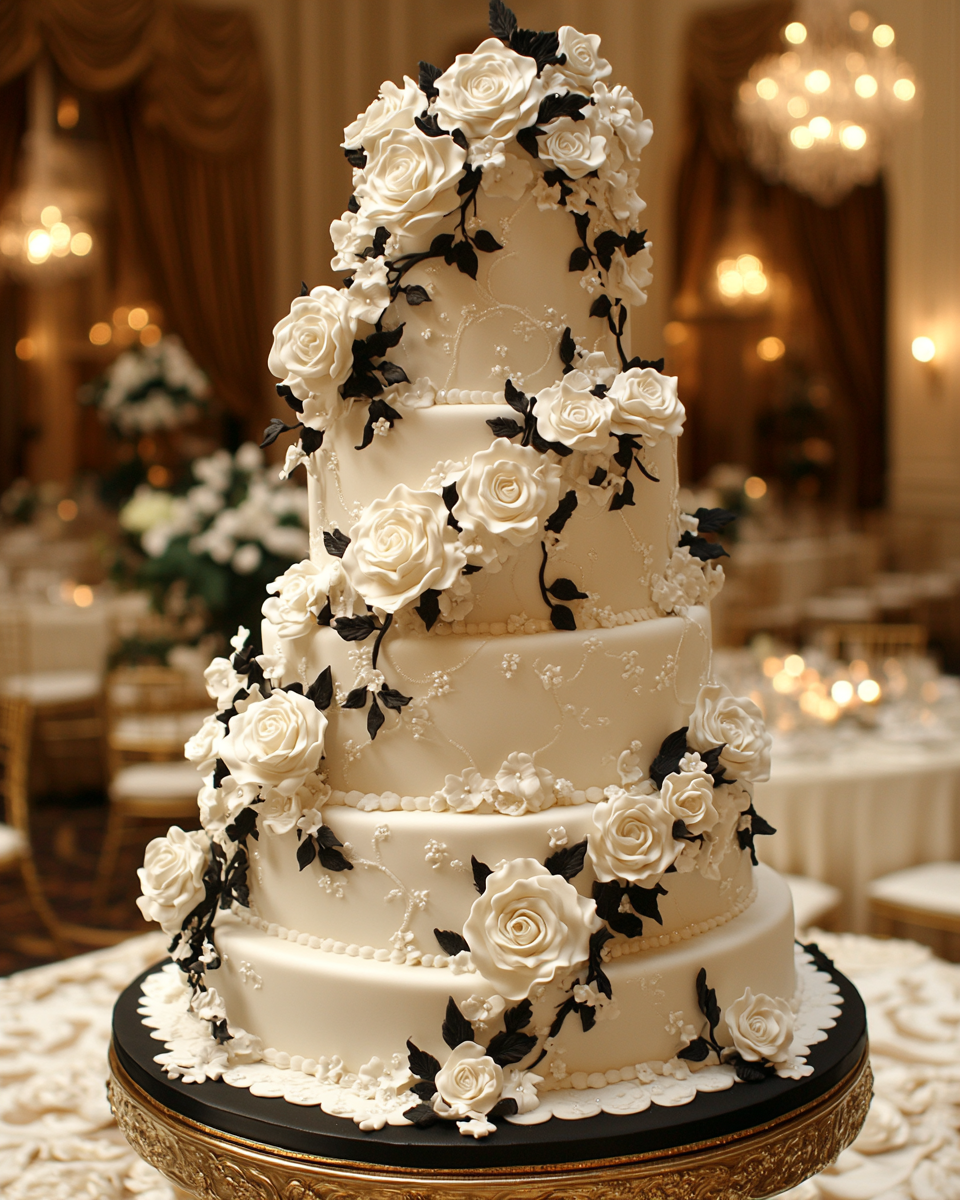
column 276, row 1123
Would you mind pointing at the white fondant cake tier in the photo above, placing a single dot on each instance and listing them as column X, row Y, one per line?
column 411, row 875
column 575, row 700
column 613, row 556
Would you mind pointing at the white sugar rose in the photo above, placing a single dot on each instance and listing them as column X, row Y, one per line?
column 617, row 108
column 400, row 547
column 524, row 787
column 279, row 813
column 297, row 596
column 628, row 275
column 761, row 1027
column 569, row 413
column 276, row 742
column 171, row 877
column 634, row 839
column 573, row 146
column 687, row 796
column 493, row 92
column 313, row 345
column 736, row 723
column 203, row 748
column 511, row 179
column 469, row 1083
column 222, row 682
column 410, row 181
column 645, row 405
column 505, row 494
column 584, row 65
column 393, row 109
column 528, row 927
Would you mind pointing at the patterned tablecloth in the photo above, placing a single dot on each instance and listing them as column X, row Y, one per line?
column 58, row 1141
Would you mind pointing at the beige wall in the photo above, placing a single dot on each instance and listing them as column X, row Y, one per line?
column 328, row 59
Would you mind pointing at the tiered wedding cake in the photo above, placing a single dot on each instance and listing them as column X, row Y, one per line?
column 477, row 828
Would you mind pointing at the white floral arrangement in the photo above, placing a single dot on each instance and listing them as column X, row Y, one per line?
column 147, row 389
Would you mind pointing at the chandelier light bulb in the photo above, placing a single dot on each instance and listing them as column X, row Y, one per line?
column 865, row 86
column 767, row 89
column 50, row 215
column 796, row 33
column 883, row 36
column 820, row 127
column 853, row 137
column 81, row 244
column 817, row 82
column 801, row 137
column 38, row 245
column 904, row 89
column 924, row 349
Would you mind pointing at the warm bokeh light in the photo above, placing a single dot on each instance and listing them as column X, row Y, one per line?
column 859, row 670
column 784, row 683
column 904, row 89
column 137, row 318
column 853, row 137
column 38, row 245
column 797, row 107
column 150, row 335
column 859, row 20
column 67, row 510
column 817, row 82
column 842, row 692
column 755, row 487
column 772, row 666
column 675, row 332
column 869, row 691
column 25, row 349
column 794, row 665
column 100, row 333
column 801, row 137
column 865, row 86
column 923, row 349
column 770, row 349
column 790, row 60
column 83, row 595
column 820, row 127
column 767, row 89
column 60, row 239
column 883, row 36
column 50, row 215
column 68, row 112
column 120, row 315
column 855, row 62
column 795, row 32
column 158, row 476
column 81, row 244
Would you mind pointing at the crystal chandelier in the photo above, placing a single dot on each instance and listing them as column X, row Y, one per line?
column 44, row 233
column 819, row 116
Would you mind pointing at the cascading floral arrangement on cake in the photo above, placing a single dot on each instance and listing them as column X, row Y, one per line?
column 478, row 835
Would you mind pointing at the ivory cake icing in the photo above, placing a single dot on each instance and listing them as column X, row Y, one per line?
column 477, row 822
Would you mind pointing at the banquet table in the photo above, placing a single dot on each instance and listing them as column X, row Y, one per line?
column 860, row 810
column 58, row 1140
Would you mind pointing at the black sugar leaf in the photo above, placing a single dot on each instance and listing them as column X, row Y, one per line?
column 566, row 589
column 306, row 852
column 304, row 290
column 481, row 873
column 506, row 1107
column 562, row 617
column 707, row 1001
column 507, row 1048
column 467, row 261
column 355, row 629
column 422, row 1116
column 604, row 245
column 456, row 1029
column 562, row 514
column 428, row 76
column 426, row 1089
column 428, row 123
column 527, row 138
column 357, row 698
column 392, row 373
column 623, row 498
column 636, row 240
column 382, row 340
column 356, row 158
column 568, row 348
column 325, row 615
column 333, row 860
column 598, row 477
column 287, row 395
column 518, row 1017
column 470, row 180
column 220, row 772
column 353, row 205
column 428, row 610
column 460, row 138
column 441, row 244
column 588, row 1017
column 751, row 1072
column 449, row 496
column 759, row 826
column 601, row 306
column 311, row 440
column 700, row 548
column 505, row 427
column 416, row 294
column 543, row 46
column 568, row 1006
column 579, row 261
column 393, row 699
column 555, row 104
column 672, row 749
column 515, row 398
column 273, row 431
column 697, row 1051
column 503, row 24
column 321, row 690
column 484, row 240
column 327, row 838
column 450, row 942
column 335, row 542
column 712, row 520
column 646, row 901
column 568, row 861
column 375, row 717
column 297, row 687
column 422, row 1064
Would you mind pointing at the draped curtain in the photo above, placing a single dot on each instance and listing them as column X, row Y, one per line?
column 840, row 251
column 183, row 102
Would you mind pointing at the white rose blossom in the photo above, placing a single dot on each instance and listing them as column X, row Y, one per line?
column 469, row 1084
column 505, row 494
column 528, row 927
column 573, row 146
column 409, row 182
column 736, row 723
column 171, row 877
column 511, row 179
column 275, row 742
column 523, row 786
column 634, row 839
column 761, row 1027
column 628, row 275
column 297, row 596
column 645, row 404
column 222, row 682
column 401, row 546
column 688, row 795
column 203, row 748
column 569, row 413
column 493, row 92
column 393, row 109
column 584, row 65
column 313, row 345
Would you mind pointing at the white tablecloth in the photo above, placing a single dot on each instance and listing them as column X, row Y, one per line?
column 873, row 808
column 58, row 1140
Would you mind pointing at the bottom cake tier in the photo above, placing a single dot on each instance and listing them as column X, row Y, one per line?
column 305, row 1005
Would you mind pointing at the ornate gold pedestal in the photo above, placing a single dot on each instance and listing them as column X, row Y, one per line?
column 754, row 1163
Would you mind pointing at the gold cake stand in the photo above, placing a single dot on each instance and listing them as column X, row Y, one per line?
column 754, row 1163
